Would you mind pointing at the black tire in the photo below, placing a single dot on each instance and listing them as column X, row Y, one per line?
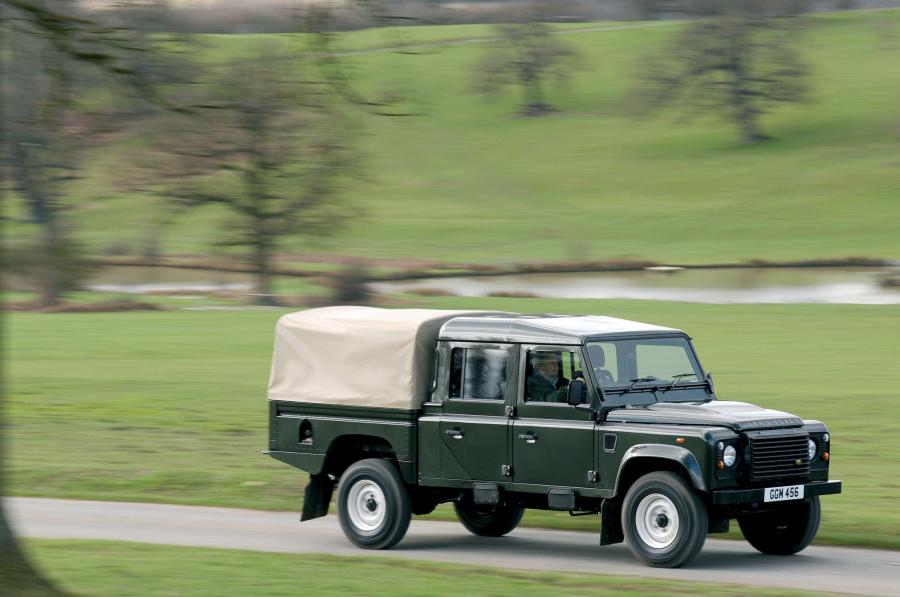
column 373, row 504
column 664, row 520
column 785, row 531
column 487, row 521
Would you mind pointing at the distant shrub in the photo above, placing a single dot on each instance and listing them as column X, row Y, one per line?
column 429, row 292
column 512, row 294
column 349, row 286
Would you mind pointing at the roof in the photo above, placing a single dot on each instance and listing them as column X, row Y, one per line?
column 363, row 356
column 358, row 356
column 543, row 329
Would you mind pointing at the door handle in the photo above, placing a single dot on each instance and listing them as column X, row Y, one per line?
column 529, row 437
column 455, row 433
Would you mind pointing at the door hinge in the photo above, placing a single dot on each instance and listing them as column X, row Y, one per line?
column 505, row 470
column 593, row 477
column 510, row 411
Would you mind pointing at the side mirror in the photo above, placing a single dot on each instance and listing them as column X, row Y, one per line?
column 576, row 392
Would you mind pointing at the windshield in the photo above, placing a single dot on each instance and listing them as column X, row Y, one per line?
column 666, row 366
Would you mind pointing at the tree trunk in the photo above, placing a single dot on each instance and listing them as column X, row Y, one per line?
column 17, row 575
column 749, row 127
column 744, row 112
column 49, row 288
column 261, row 260
column 43, row 213
column 533, row 94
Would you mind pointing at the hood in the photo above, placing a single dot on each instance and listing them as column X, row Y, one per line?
column 739, row 416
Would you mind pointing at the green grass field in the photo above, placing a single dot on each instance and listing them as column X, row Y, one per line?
column 469, row 181
column 112, row 568
column 170, row 406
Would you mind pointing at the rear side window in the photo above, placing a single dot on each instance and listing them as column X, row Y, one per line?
column 478, row 373
column 456, row 367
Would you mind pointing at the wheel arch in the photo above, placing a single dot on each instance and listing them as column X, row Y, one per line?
column 346, row 449
column 641, row 459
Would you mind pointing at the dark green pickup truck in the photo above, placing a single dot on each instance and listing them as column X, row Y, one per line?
column 405, row 409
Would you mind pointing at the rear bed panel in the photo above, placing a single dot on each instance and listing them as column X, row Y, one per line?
column 301, row 434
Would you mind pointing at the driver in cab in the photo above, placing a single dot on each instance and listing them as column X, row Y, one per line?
column 545, row 384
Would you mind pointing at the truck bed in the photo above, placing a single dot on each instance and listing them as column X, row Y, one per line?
column 301, row 434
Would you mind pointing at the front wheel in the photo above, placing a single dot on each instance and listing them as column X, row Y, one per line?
column 785, row 531
column 664, row 521
column 373, row 505
column 487, row 521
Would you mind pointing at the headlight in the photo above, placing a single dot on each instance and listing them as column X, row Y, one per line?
column 729, row 457
column 812, row 449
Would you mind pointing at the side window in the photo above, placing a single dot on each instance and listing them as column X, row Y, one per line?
column 456, row 367
column 549, row 373
column 478, row 373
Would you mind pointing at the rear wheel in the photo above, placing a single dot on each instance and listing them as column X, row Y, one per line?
column 664, row 521
column 373, row 505
column 785, row 531
column 487, row 520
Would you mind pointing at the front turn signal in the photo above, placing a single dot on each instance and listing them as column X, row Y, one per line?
column 825, row 456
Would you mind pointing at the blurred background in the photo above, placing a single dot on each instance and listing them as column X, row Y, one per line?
column 178, row 174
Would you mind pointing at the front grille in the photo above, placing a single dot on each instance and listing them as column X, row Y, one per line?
column 779, row 456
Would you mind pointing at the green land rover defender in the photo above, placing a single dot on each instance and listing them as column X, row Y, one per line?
column 405, row 409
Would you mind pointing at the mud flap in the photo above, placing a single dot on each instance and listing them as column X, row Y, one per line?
column 317, row 497
column 610, row 523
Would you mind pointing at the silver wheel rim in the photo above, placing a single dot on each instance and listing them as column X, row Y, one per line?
column 365, row 506
column 656, row 521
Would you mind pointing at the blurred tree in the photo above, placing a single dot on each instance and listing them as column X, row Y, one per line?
column 46, row 129
column 34, row 164
column 269, row 144
column 735, row 57
column 44, row 148
column 655, row 9
column 526, row 54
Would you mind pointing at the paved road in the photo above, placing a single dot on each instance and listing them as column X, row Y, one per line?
column 862, row 571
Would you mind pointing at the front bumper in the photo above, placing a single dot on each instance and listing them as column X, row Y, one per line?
column 747, row 496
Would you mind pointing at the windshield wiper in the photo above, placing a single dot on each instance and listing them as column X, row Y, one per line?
column 676, row 379
column 640, row 380
column 634, row 382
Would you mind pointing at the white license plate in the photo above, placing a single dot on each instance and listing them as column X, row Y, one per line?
column 781, row 494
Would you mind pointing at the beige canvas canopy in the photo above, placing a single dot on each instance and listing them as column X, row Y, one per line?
column 356, row 356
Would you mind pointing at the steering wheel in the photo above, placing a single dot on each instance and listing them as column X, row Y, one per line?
column 603, row 376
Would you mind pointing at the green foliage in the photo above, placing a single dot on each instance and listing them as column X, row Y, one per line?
column 269, row 146
column 467, row 182
column 736, row 57
column 59, row 264
column 527, row 55
column 170, row 407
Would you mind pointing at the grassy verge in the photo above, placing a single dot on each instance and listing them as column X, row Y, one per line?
column 170, row 406
column 112, row 568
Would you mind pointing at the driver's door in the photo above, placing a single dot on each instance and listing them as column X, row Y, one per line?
column 553, row 443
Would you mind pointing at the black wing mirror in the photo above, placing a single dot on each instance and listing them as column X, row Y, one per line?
column 576, row 392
